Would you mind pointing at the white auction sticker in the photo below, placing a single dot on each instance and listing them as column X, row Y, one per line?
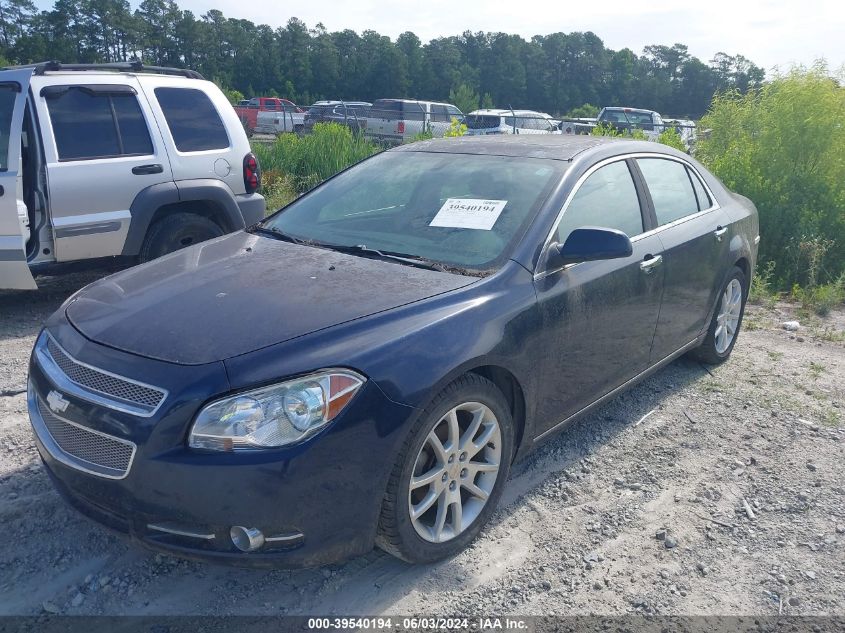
column 469, row 213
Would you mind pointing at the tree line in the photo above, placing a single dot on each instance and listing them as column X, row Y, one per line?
column 557, row 73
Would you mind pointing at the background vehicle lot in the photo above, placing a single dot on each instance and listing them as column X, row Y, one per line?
column 579, row 519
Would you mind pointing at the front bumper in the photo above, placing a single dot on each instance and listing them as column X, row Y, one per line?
column 320, row 499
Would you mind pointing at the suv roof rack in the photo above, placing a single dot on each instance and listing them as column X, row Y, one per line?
column 129, row 67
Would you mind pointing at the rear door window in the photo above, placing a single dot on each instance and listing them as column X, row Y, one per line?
column 670, row 187
column 607, row 198
column 700, row 192
column 412, row 111
column 97, row 121
column 439, row 113
column 192, row 119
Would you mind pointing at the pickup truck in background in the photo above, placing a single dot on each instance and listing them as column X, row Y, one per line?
column 289, row 119
column 394, row 121
column 248, row 114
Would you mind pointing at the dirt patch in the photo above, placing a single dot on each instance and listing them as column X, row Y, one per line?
column 728, row 498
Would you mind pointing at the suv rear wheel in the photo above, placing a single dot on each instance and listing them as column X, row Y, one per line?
column 175, row 232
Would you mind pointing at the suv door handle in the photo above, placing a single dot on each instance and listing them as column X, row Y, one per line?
column 720, row 231
column 650, row 263
column 142, row 170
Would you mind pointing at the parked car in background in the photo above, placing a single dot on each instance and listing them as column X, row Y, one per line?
column 498, row 121
column 627, row 119
column 686, row 129
column 393, row 121
column 289, row 118
column 364, row 366
column 108, row 160
column 581, row 125
column 349, row 113
column 248, row 113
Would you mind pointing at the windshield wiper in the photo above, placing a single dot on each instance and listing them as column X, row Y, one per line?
column 366, row 251
column 362, row 249
column 279, row 234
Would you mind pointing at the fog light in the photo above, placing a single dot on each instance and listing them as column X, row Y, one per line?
column 246, row 539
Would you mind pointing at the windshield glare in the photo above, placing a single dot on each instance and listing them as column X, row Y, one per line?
column 459, row 210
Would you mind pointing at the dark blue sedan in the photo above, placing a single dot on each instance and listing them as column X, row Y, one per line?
column 363, row 367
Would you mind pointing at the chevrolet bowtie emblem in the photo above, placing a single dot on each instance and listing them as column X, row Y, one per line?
column 57, row 402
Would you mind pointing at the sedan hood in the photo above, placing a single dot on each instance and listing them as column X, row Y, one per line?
column 240, row 293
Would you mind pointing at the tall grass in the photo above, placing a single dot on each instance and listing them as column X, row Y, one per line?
column 309, row 160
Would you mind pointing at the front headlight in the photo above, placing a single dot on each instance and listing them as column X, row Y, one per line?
column 276, row 415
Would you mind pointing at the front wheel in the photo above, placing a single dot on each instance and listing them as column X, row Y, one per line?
column 450, row 474
column 724, row 327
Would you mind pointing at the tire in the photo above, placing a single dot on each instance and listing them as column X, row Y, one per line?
column 175, row 232
column 712, row 350
column 415, row 541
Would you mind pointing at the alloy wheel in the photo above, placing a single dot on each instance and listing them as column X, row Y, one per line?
column 455, row 472
column 727, row 321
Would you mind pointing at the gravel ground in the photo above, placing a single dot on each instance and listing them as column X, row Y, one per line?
column 703, row 491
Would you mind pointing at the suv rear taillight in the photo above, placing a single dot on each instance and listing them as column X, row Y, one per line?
column 252, row 173
column 400, row 127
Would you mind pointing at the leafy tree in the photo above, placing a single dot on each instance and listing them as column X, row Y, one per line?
column 16, row 19
column 554, row 73
column 782, row 146
column 464, row 97
column 585, row 111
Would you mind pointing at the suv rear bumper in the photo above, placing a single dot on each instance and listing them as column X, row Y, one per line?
column 253, row 207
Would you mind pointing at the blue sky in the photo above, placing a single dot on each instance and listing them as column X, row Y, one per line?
column 770, row 33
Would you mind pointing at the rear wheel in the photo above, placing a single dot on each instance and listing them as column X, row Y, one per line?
column 449, row 477
column 724, row 327
column 175, row 232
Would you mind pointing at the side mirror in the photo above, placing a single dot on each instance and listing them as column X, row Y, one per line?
column 590, row 244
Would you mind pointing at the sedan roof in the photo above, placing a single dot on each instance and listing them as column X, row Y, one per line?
column 554, row 146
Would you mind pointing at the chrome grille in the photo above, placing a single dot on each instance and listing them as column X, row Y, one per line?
column 104, row 383
column 87, row 449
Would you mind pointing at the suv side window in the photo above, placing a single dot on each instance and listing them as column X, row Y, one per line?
column 607, row 198
column 192, row 119
column 97, row 122
column 670, row 188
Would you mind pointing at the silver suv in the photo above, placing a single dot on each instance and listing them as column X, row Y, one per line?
column 497, row 121
column 106, row 160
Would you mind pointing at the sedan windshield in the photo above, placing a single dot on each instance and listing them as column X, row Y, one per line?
column 458, row 210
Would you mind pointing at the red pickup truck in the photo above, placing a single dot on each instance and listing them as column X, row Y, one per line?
column 248, row 110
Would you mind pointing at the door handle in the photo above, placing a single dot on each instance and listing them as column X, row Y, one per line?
column 720, row 231
column 650, row 263
column 142, row 170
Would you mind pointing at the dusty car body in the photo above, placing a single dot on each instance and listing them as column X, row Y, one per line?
column 461, row 353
